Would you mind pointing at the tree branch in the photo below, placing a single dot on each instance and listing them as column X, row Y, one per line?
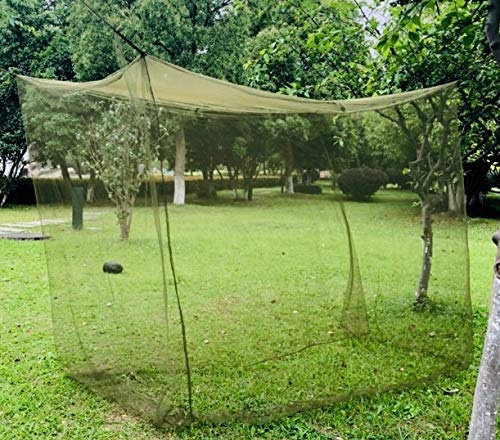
column 374, row 32
column 386, row 116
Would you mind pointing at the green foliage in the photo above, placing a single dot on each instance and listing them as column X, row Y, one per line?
column 53, row 130
column 288, row 131
column 398, row 177
column 116, row 147
column 361, row 183
column 33, row 40
column 12, row 143
column 251, row 147
column 33, row 43
column 203, row 36
column 92, row 50
column 311, row 49
column 428, row 43
column 304, row 48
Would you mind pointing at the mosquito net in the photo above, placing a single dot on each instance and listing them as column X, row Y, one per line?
column 319, row 252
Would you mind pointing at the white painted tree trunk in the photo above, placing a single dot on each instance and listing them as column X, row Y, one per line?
column 452, row 198
column 180, row 166
column 487, row 394
column 91, row 187
column 289, row 169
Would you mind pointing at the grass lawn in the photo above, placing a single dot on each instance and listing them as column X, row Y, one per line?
column 238, row 310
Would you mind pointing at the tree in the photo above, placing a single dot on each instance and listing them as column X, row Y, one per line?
column 91, row 41
column 487, row 394
column 13, row 146
column 287, row 132
column 33, row 43
column 53, row 131
column 429, row 43
column 431, row 133
column 247, row 152
column 205, row 141
column 114, row 145
column 339, row 138
column 492, row 28
column 205, row 36
column 310, row 49
column 180, row 166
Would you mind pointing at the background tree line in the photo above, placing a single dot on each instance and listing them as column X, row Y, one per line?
column 322, row 50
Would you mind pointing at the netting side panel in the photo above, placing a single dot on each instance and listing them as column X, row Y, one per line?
column 295, row 290
column 94, row 197
column 347, row 315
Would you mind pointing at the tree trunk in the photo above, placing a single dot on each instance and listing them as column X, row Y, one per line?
column 248, row 190
column 289, row 168
column 91, row 187
column 64, row 169
column 421, row 297
column 491, row 28
column 124, row 231
column 334, row 180
column 234, row 187
column 129, row 219
column 208, row 188
column 460, row 198
column 487, row 394
column 474, row 177
column 124, row 224
column 180, row 165
column 452, row 198
column 289, row 185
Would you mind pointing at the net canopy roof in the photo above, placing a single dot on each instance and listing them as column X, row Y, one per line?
column 182, row 89
column 322, row 253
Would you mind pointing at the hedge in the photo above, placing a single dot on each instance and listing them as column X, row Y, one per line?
column 57, row 190
column 307, row 189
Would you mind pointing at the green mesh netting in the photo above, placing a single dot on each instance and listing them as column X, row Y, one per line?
column 269, row 291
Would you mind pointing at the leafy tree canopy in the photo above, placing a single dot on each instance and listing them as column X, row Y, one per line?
column 428, row 43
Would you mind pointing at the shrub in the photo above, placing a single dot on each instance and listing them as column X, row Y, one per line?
column 23, row 193
column 361, row 183
column 312, row 174
column 206, row 190
column 53, row 190
column 307, row 189
column 396, row 177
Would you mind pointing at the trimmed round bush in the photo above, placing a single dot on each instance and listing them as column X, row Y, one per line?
column 307, row 189
column 361, row 183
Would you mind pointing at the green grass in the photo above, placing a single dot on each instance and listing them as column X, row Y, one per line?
column 37, row 399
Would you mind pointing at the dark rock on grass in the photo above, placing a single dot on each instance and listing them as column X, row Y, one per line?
column 112, row 267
